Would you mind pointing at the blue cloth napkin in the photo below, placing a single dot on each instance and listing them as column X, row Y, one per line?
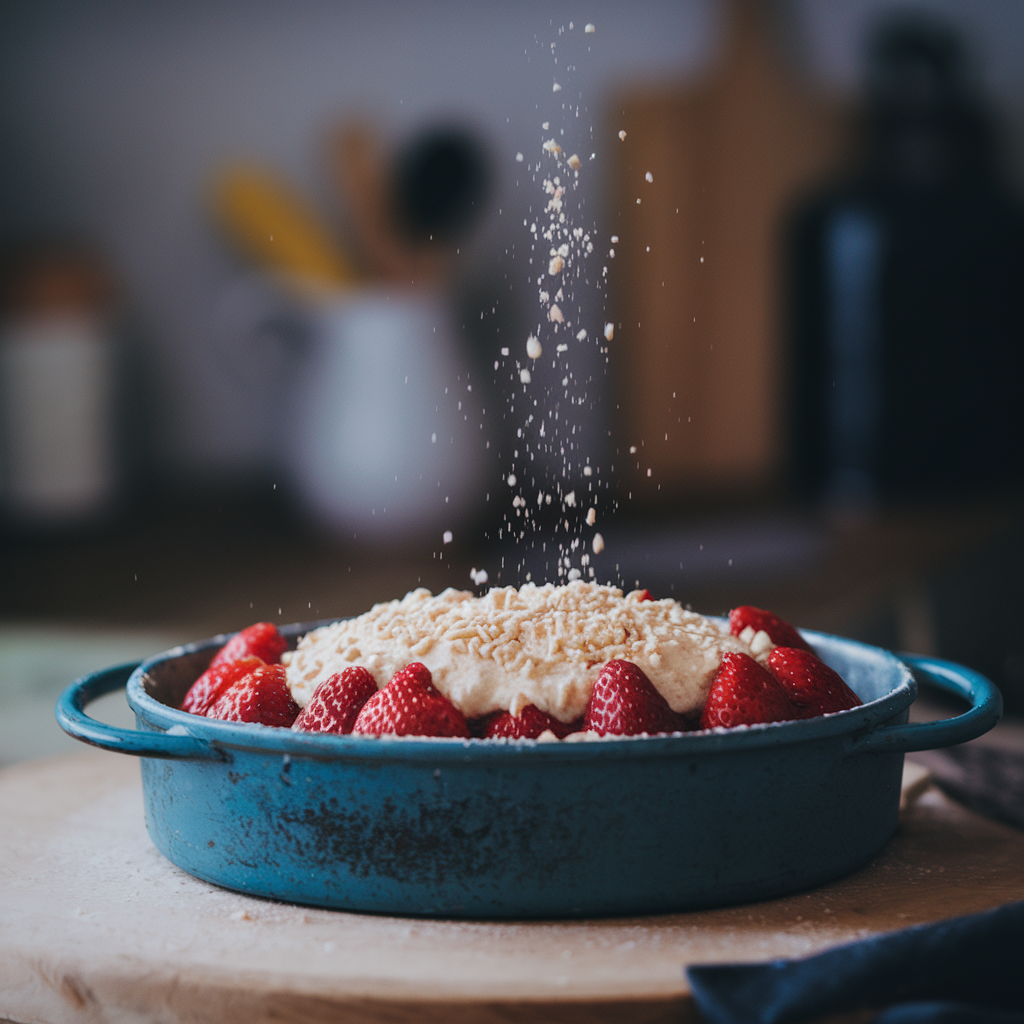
column 967, row 970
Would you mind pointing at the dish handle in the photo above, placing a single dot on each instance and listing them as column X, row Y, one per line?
column 71, row 717
column 986, row 707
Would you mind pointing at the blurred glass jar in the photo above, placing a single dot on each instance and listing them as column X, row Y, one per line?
column 58, row 393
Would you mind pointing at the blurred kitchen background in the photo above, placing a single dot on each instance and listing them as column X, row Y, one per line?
column 259, row 261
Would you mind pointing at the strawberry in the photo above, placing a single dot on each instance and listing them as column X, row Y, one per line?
column 410, row 705
column 337, row 702
column 624, row 702
column 261, row 695
column 812, row 686
column 645, row 595
column 260, row 640
column 203, row 693
column 527, row 725
column 782, row 634
column 744, row 693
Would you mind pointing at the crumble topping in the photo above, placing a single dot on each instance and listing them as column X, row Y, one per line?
column 542, row 645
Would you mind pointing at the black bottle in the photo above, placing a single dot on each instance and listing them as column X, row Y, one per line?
column 908, row 293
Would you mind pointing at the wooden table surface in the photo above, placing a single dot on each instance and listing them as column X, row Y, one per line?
column 97, row 926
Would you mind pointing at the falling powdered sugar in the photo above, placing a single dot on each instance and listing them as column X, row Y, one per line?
column 554, row 472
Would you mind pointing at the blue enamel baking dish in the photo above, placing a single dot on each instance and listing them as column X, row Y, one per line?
column 468, row 828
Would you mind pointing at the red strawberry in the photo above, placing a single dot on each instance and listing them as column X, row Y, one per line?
column 337, row 702
column 260, row 640
column 812, row 686
column 261, row 695
column 203, row 693
column 410, row 705
column 527, row 725
column 645, row 595
column 624, row 702
column 782, row 634
column 744, row 693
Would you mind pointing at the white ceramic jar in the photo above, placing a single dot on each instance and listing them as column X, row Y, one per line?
column 388, row 438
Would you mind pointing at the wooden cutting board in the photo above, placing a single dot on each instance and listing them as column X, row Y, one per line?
column 96, row 926
column 699, row 277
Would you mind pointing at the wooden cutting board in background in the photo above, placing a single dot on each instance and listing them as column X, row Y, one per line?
column 700, row 354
